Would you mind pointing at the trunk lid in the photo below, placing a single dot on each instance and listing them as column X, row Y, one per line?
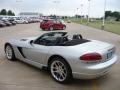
column 106, row 50
column 94, row 45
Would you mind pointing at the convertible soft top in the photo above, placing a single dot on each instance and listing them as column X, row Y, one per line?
column 76, row 42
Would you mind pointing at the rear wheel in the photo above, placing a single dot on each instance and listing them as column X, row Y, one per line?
column 51, row 28
column 64, row 27
column 43, row 29
column 60, row 70
column 9, row 52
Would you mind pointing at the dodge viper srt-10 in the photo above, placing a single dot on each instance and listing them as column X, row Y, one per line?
column 65, row 56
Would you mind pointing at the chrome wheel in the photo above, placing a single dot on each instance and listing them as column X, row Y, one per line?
column 58, row 70
column 8, row 52
column 64, row 28
column 51, row 28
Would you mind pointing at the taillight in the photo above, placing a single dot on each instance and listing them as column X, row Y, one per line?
column 91, row 57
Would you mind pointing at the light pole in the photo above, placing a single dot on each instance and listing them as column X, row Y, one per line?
column 103, row 22
column 88, row 18
column 81, row 11
column 18, row 2
column 77, row 13
column 56, row 2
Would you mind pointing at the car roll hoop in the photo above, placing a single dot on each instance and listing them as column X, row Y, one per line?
column 77, row 36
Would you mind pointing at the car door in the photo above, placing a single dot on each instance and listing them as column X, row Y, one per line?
column 60, row 25
column 56, row 24
column 36, row 53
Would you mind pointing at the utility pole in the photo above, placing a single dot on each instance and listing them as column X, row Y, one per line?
column 88, row 18
column 56, row 3
column 103, row 22
column 77, row 13
column 19, row 3
column 81, row 11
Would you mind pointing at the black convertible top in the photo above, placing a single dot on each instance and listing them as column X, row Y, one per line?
column 75, row 42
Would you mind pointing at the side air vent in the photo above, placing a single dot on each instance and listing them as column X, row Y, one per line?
column 21, row 52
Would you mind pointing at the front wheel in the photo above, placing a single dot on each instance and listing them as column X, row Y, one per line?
column 51, row 28
column 9, row 52
column 60, row 70
column 64, row 27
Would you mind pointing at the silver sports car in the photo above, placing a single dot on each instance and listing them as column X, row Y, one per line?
column 65, row 57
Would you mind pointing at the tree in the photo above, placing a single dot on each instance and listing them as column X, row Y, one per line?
column 3, row 12
column 107, row 14
column 13, row 14
column 116, row 14
column 111, row 14
column 65, row 17
column 10, row 13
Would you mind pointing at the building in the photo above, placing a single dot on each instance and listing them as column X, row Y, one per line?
column 31, row 15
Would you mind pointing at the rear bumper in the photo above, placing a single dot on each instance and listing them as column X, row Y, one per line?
column 88, row 76
column 95, row 71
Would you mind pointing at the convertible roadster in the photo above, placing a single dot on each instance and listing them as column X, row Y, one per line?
column 64, row 56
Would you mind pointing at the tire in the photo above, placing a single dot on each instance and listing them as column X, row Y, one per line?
column 60, row 70
column 43, row 29
column 51, row 28
column 64, row 27
column 9, row 52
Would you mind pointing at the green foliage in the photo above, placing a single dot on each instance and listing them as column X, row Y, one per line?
column 10, row 13
column 5, row 12
column 108, row 13
column 114, row 14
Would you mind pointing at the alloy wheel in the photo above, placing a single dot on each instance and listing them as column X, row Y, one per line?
column 8, row 51
column 58, row 70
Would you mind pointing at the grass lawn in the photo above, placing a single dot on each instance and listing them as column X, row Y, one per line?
column 113, row 26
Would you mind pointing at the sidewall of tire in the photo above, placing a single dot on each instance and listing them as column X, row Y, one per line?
column 69, row 72
column 51, row 29
column 64, row 27
column 13, row 54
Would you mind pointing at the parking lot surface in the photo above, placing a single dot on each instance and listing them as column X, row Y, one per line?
column 20, row 76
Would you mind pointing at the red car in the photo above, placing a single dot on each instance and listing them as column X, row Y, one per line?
column 52, row 25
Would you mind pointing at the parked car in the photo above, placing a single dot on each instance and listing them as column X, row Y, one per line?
column 2, row 24
column 68, row 21
column 25, row 21
column 30, row 20
column 37, row 20
column 50, row 24
column 7, row 22
column 65, row 57
column 12, row 21
column 21, row 21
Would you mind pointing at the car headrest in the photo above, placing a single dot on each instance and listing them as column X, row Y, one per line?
column 61, row 40
column 77, row 36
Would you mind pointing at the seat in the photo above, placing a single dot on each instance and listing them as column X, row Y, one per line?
column 77, row 36
column 62, row 40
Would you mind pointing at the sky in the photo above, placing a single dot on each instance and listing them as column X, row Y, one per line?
column 61, row 7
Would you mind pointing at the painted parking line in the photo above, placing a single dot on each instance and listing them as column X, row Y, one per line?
column 94, row 85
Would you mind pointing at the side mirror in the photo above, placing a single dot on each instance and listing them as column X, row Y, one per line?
column 31, row 42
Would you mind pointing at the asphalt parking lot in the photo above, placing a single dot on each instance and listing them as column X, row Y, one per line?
column 20, row 76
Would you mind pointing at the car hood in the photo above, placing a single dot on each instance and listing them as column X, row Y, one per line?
column 22, row 42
